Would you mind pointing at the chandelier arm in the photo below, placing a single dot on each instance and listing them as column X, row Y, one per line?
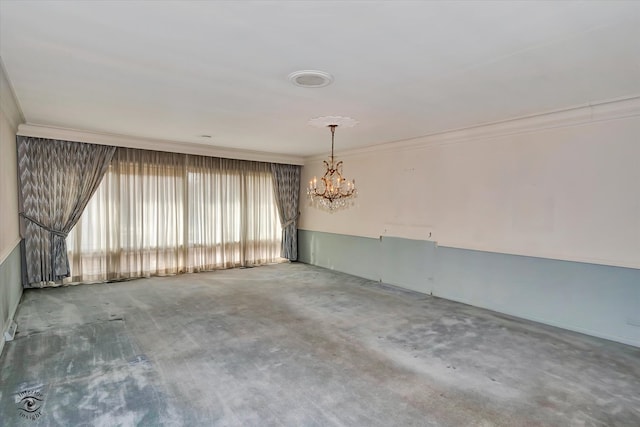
column 335, row 190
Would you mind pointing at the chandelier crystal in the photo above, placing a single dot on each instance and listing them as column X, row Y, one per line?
column 332, row 191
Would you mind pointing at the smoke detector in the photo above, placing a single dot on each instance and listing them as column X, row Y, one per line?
column 310, row 78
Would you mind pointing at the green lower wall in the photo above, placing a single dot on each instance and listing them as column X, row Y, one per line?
column 597, row 300
column 10, row 290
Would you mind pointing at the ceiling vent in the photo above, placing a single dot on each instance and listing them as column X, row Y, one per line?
column 311, row 78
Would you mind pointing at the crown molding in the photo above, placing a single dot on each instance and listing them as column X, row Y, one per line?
column 588, row 113
column 8, row 101
column 51, row 132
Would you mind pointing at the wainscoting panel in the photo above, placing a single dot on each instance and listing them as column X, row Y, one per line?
column 598, row 300
column 10, row 290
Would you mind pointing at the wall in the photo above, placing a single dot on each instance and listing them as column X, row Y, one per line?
column 10, row 286
column 537, row 217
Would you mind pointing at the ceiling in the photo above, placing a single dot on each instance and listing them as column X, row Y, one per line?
column 403, row 69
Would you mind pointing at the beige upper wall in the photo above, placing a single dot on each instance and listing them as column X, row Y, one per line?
column 560, row 186
column 10, row 118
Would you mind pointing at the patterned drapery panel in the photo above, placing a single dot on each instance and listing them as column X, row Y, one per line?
column 286, row 186
column 56, row 181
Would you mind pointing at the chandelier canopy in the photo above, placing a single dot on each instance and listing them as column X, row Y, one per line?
column 332, row 191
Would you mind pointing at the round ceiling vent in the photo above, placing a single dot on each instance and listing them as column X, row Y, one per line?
column 311, row 78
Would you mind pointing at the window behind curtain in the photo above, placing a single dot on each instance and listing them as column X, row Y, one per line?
column 164, row 213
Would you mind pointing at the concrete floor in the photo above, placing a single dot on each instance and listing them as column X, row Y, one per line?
column 297, row 345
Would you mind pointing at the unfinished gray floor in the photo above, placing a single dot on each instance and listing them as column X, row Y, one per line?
column 297, row 345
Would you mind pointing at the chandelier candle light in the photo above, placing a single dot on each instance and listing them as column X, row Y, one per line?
column 332, row 191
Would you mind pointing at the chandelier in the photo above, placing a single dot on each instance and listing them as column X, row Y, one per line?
column 332, row 191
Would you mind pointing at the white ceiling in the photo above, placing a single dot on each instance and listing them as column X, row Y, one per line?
column 177, row 70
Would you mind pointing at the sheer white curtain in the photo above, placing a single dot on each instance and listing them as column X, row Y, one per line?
column 161, row 213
